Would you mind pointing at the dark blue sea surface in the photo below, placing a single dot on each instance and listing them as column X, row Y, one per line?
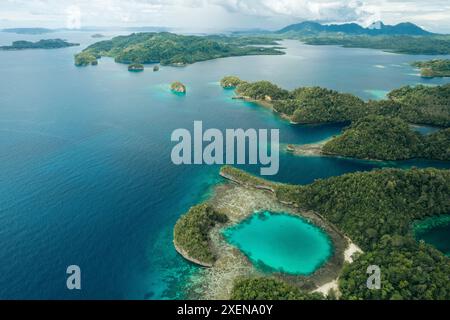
column 85, row 170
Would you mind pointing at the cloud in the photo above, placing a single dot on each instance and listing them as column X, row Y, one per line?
column 224, row 13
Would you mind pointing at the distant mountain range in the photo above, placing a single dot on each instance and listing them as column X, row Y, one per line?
column 375, row 29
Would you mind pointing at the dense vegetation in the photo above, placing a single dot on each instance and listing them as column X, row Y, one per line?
column 171, row 49
column 261, row 90
column 84, row 59
column 376, row 210
column 178, row 87
column 423, row 104
column 230, row 82
column 377, row 137
column 437, row 145
column 191, row 232
column 420, row 104
column 317, row 105
column 430, row 45
column 266, row 288
column 433, row 68
column 41, row 44
column 409, row 270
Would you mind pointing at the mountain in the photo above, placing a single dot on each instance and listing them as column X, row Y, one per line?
column 376, row 28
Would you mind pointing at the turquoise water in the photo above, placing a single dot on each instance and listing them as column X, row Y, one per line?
column 281, row 243
column 85, row 170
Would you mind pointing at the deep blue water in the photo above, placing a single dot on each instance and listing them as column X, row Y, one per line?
column 85, row 170
column 281, row 243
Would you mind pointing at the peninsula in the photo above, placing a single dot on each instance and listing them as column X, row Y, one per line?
column 433, row 68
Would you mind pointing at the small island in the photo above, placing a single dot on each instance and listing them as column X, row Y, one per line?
column 136, row 67
column 178, row 87
column 433, row 68
column 178, row 50
column 41, row 44
column 97, row 35
column 156, row 68
column 427, row 105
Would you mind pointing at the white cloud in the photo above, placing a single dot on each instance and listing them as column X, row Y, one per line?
column 207, row 14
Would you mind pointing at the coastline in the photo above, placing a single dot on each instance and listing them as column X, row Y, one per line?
column 239, row 201
column 186, row 256
column 310, row 149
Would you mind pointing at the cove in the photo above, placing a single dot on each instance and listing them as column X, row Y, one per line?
column 280, row 242
column 434, row 231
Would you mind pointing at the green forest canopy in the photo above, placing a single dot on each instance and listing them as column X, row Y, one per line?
column 168, row 48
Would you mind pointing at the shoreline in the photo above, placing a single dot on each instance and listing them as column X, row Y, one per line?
column 239, row 201
column 186, row 256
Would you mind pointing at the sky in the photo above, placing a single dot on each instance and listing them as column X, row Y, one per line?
column 220, row 15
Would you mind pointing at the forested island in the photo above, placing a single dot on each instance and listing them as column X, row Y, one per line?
column 312, row 105
column 191, row 237
column 433, row 68
column 41, row 44
column 376, row 210
column 388, row 138
column 172, row 49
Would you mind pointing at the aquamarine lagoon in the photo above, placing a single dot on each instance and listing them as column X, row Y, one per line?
column 86, row 176
column 279, row 242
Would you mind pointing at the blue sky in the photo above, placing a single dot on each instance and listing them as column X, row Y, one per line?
column 214, row 15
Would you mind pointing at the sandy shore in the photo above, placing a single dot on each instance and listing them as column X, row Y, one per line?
column 311, row 149
column 334, row 284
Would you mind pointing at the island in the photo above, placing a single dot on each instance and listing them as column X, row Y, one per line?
column 41, row 44
column 178, row 87
column 136, row 67
column 428, row 105
column 374, row 221
column 190, row 236
column 433, row 68
column 176, row 50
column 97, row 35
column 155, row 68
column 388, row 138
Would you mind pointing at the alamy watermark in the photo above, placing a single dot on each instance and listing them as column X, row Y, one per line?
column 374, row 280
column 235, row 146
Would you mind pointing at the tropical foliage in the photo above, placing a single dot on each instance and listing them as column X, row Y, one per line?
column 434, row 68
column 168, row 48
column 266, row 288
column 191, row 232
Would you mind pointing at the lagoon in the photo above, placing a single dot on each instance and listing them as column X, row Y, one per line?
column 283, row 243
